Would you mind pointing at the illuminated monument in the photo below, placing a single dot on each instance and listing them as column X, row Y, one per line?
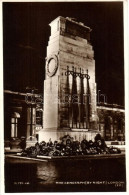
column 69, row 86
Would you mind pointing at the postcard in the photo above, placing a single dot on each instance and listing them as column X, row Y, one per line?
column 65, row 90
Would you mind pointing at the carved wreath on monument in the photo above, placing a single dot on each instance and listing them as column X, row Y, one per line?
column 52, row 65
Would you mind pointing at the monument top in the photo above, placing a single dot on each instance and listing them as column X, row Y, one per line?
column 70, row 26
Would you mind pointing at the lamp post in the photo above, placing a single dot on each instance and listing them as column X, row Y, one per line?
column 30, row 100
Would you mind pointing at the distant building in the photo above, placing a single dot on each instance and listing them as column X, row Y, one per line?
column 111, row 122
column 23, row 115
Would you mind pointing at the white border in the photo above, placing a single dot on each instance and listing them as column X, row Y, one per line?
column 126, row 66
column 1, row 109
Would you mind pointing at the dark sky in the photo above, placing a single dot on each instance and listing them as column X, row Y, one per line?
column 26, row 33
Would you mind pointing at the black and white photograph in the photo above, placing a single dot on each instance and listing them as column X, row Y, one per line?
column 64, row 96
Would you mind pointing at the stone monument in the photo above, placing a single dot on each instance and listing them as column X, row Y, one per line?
column 69, row 86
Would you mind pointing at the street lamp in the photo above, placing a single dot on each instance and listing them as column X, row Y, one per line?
column 30, row 100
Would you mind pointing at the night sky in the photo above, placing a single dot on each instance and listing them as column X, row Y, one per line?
column 26, row 33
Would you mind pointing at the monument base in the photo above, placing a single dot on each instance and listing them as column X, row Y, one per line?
column 77, row 134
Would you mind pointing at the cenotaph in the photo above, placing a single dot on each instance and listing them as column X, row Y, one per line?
column 69, row 86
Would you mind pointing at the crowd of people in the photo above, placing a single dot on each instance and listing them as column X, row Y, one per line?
column 67, row 147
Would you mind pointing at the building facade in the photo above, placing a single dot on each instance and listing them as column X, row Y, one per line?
column 23, row 116
column 111, row 122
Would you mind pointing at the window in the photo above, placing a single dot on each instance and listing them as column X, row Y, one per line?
column 14, row 121
column 39, row 116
